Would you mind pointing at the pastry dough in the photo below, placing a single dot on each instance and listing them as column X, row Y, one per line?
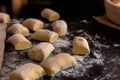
column 41, row 51
column 4, row 17
column 50, row 14
column 60, row 27
column 27, row 71
column 18, row 29
column 19, row 42
column 33, row 24
column 80, row 46
column 45, row 35
column 57, row 63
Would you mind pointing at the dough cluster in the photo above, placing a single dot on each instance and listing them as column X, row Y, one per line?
column 42, row 52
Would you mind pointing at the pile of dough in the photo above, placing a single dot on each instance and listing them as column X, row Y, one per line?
column 60, row 27
column 4, row 17
column 18, row 29
column 27, row 71
column 57, row 63
column 41, row 51
column 19, row 42
column 33, row 24
column 45, row 35
column 80, row 46
column 50, row 14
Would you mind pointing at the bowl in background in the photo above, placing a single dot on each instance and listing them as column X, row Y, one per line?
column 112, row 8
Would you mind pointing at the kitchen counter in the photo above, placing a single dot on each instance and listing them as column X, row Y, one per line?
column 103, row 63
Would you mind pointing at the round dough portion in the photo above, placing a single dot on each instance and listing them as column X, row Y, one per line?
column 60, row 27
column 41, row 51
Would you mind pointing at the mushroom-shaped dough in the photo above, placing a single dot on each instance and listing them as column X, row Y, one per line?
column 80, row 46
column 57, row 63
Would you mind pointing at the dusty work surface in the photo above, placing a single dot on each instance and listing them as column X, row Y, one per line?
column 103, row 63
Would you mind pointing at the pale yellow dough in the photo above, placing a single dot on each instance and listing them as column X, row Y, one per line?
column 45, row 35
column 80, row 46
column 60, row 27
column 28, row 71
column 33, row 24
column 50, row 14
column 4, row 17
column 18, row 29
column 57, row 63
column 40, row 51
column 19, row 42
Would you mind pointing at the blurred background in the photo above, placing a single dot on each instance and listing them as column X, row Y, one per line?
column 67, row 9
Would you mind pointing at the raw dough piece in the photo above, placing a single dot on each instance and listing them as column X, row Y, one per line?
column 60, row 27
column 45, row 35
column 41, row 51
column 4, row 17
column 19, row 42
column 80, row 46
column 57, row 63
column 18, row 29
column 33, row 24
column 27, row 71
column 50, row 14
